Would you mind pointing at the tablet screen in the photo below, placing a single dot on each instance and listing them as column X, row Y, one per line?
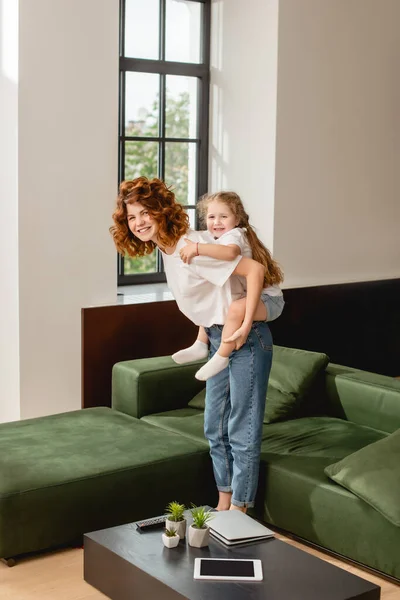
column 227, row 568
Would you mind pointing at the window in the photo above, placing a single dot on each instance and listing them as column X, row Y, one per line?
column 164, row 97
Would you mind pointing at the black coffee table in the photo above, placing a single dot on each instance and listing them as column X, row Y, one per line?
column 125, row 564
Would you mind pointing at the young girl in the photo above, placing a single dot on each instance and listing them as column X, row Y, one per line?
column 231, row 235
column 147, row 216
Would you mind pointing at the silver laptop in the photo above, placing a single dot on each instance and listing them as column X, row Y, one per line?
column 234, row 527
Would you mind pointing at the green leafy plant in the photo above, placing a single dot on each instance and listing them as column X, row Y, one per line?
column 170, row 532
column 175, row 511
column 201, row 516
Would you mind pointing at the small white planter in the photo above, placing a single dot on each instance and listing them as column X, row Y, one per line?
column 170, row 542
column 198, row 538
column 178, row 526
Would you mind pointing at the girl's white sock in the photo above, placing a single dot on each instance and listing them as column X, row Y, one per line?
column 215, row 365
column 197, row 351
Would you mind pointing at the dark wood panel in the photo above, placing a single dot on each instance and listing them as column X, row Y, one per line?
column 356, row 324
column 124, row 332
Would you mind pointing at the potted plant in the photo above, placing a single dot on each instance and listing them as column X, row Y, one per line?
column 170, row 538
column 176, row 518
column 199, row 531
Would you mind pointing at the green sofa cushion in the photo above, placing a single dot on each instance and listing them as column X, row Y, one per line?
column 366, row 398
column 295, row 495
column 293, row 372
column 187, row 421
column 136, row 385
column 373, row 474
column 313, row 437
column 324, row 437
column 66, row 474
column 199, row 401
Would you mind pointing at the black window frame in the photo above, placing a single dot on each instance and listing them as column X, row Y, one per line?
column 164, row 68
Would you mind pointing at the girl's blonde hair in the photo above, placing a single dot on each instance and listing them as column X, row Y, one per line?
column 273, row 272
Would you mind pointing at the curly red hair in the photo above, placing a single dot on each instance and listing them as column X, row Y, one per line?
column 159, row 200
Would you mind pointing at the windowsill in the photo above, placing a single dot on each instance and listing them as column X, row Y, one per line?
column 143, row 293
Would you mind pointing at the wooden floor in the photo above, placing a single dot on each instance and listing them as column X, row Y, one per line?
column 58, row 576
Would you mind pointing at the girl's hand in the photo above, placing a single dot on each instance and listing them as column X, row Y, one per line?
column 240, row 336
column 189, row 251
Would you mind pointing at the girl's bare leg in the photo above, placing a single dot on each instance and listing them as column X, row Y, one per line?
column 235, row 317
column 224, row 500
column 241, row 508
column 196, row 351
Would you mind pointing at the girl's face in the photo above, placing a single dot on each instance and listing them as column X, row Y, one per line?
column 141, row 223
column 220, row 218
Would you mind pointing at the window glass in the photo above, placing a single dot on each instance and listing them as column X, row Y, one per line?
column 163, row 128
column 141, row 159
column 142, row 104
column 142, row 28
column 180, row 170
column 183, row 30
column 144, row 264
column 181, row 116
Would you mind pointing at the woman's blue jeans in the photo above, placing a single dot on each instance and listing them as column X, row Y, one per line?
column 234, row 413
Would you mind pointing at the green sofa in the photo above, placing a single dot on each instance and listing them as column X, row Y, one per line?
column 63, row 475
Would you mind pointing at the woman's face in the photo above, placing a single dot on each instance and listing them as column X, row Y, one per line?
column 220, row 218
column 141, row 223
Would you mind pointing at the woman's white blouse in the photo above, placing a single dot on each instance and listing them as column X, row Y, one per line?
column 201, row 289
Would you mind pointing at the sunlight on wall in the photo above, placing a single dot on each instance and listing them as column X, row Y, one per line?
column 9, row 39
column 243, row 98
column 219, row 146
column 9, row 315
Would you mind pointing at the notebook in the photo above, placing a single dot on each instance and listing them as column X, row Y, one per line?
column 233, row 527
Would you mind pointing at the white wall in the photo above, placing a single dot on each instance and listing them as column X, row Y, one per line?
column 9, row 322
column 68, row 111
column 318, row 167
column 244, row 41
column 337, row 202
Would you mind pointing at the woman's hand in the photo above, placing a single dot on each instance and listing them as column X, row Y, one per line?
column 240, row 336
column 189, row 251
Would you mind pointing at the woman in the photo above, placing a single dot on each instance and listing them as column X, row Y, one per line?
column 148, row 216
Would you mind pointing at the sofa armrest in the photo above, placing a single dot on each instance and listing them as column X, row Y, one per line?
column 152, row 385
column 362, row 397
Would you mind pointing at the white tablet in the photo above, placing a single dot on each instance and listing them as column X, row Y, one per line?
column 228, row 569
